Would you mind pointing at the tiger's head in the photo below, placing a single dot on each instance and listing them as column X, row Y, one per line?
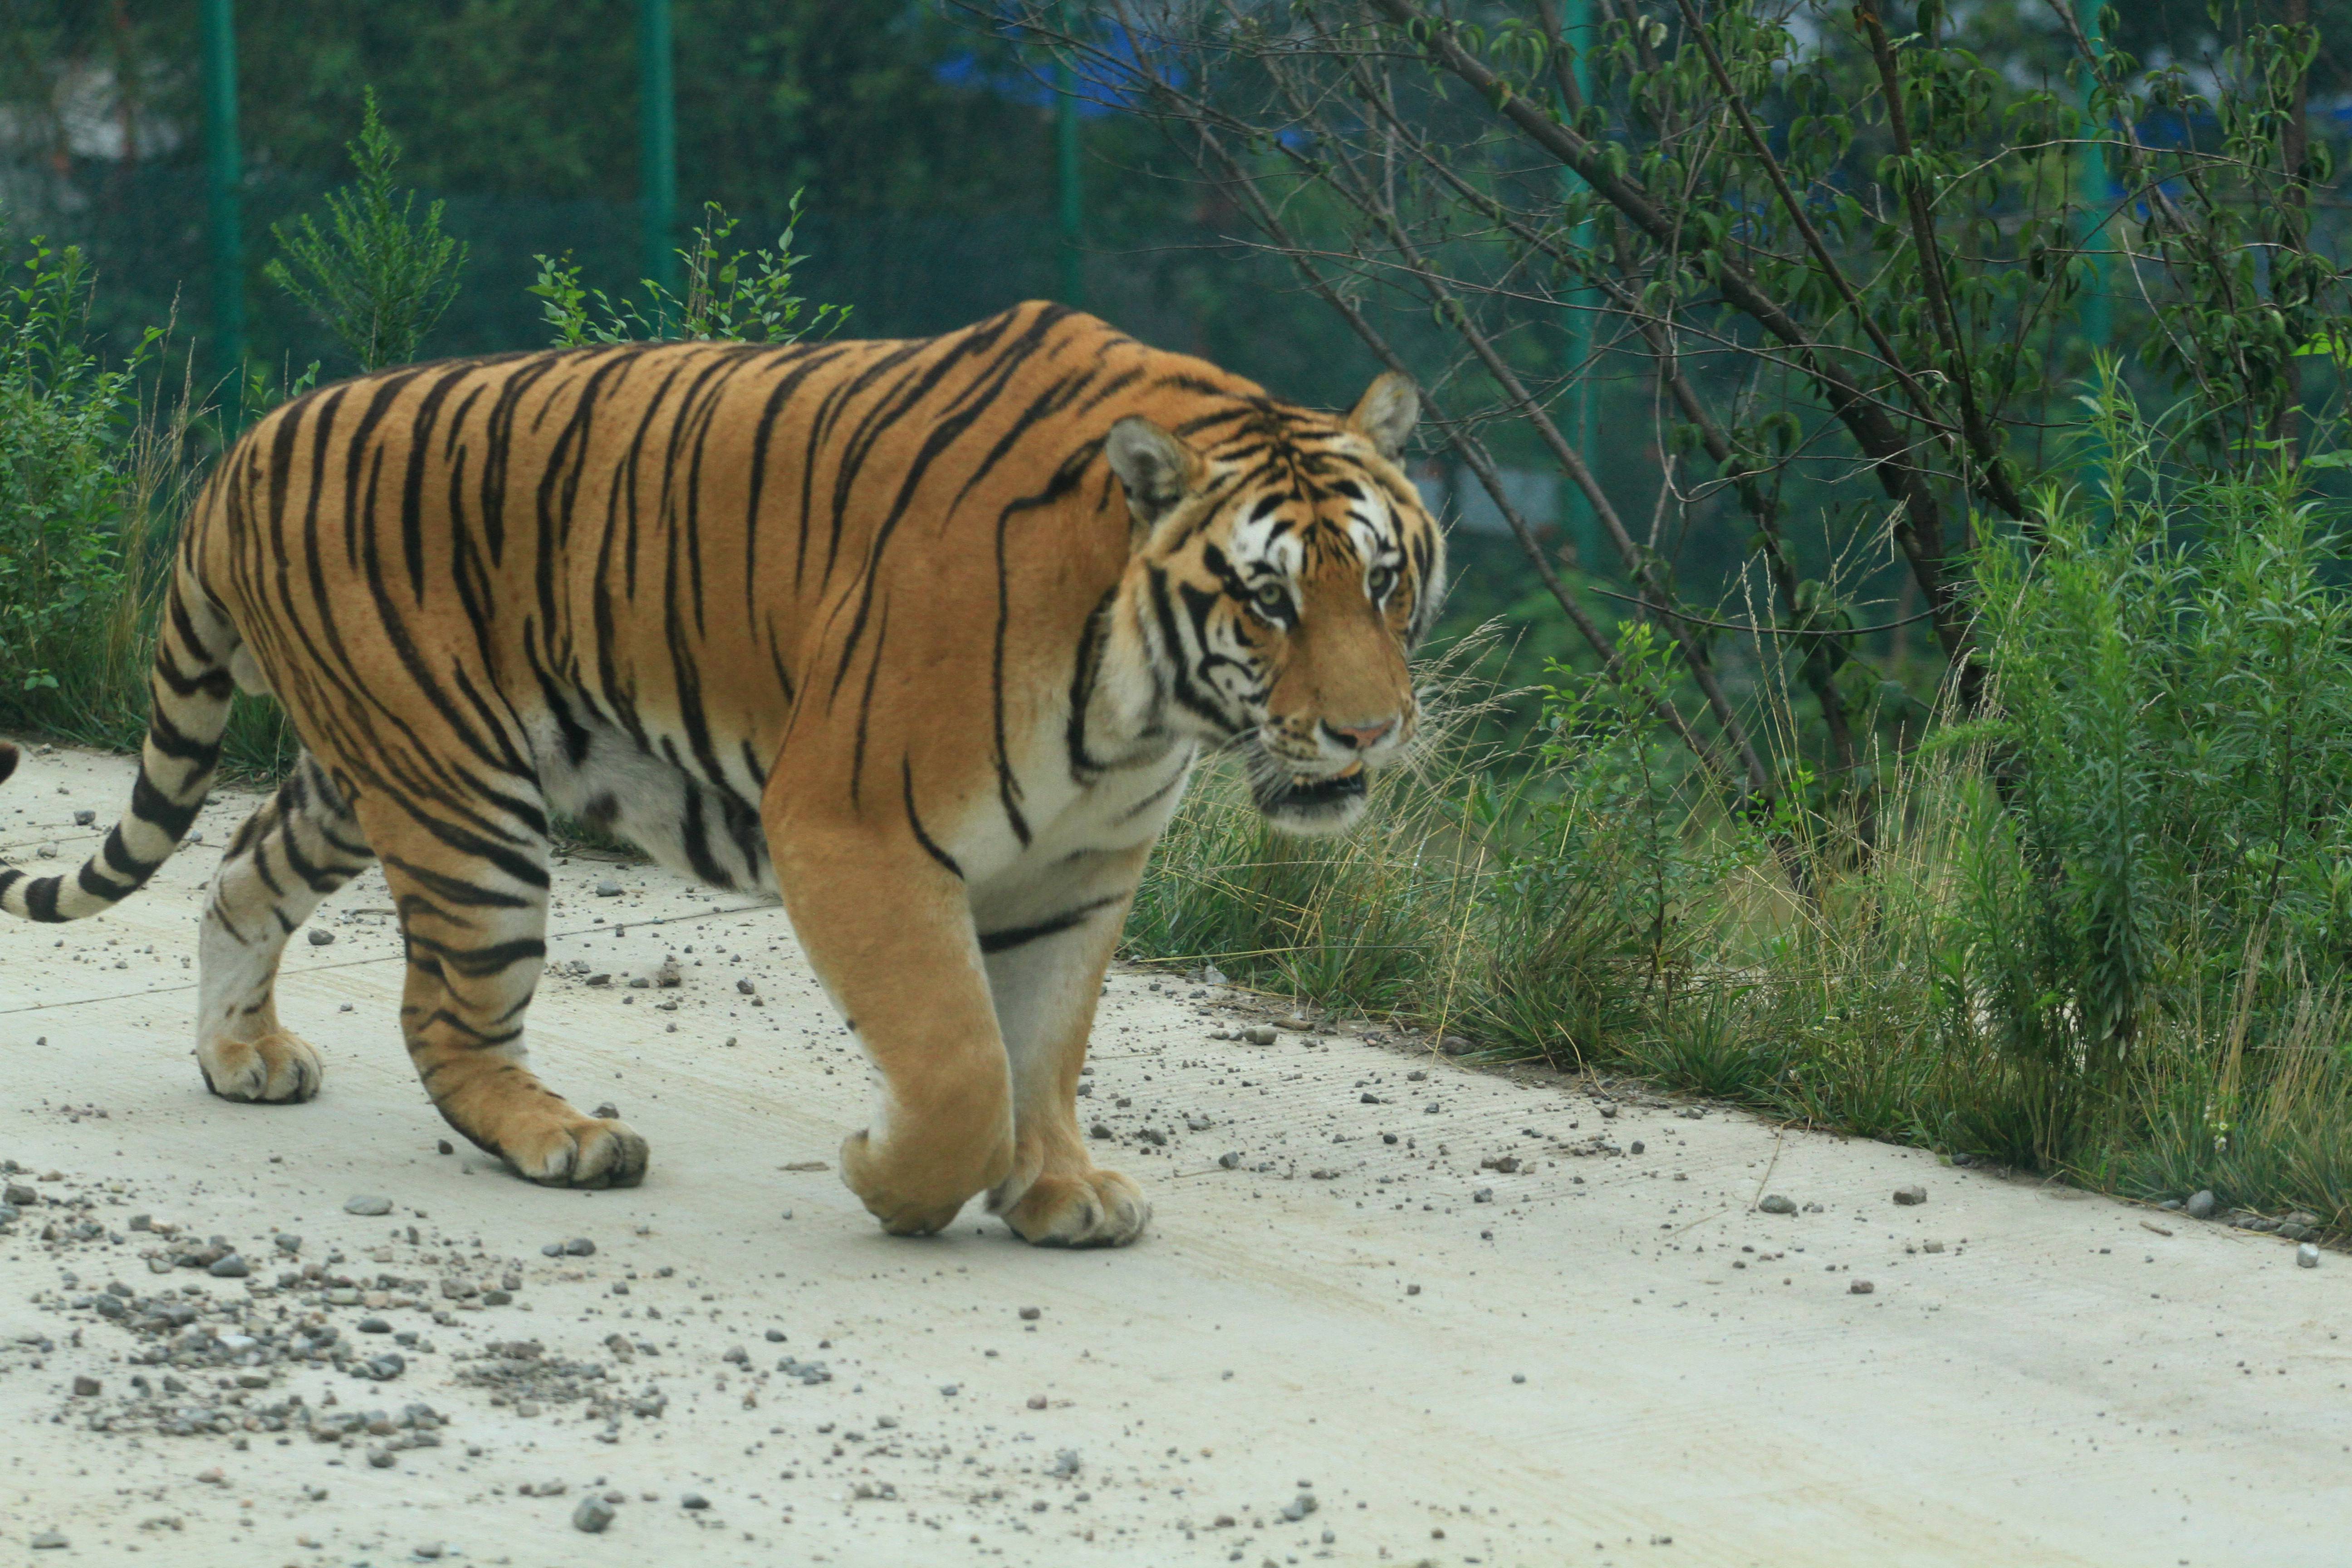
column 1288, row 567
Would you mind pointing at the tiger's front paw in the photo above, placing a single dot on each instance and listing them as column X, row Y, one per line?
column 279, row 1067
column 1087, row 1208
column 575, row 1150
column 916, row 1191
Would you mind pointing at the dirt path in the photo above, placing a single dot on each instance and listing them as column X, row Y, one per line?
column 1340, row 1348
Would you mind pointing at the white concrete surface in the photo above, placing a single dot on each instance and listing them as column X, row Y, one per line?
column 2061, row 1383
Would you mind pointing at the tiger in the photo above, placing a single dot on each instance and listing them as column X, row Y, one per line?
column 924, row 636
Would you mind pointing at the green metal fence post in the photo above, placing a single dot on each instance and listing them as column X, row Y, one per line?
column 658, row 142
column 1584, row 527
column 2096, row 192
column 1070, row 193
column 222, row 176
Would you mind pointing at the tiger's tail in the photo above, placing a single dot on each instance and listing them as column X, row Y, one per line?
column 189, row 691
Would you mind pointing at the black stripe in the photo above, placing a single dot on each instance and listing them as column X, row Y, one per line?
column 1005, row 941
column 931, row 847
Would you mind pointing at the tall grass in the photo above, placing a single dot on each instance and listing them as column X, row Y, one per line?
column 2100, row 931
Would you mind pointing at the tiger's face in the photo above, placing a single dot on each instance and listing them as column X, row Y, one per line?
column 1289, row 568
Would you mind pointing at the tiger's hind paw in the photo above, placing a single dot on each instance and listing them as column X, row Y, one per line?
column 278, row 1068
column 1090, row 1208
column 579, row 1152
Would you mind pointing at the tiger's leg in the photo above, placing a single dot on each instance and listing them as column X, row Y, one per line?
column 1046, row 986
column 886, row 929
column 471, row 887
column 300, row 845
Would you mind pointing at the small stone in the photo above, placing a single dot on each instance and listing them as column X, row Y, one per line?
column 1229, row 1161
column 321, row 936
column 607, row 889
column 429, row 1551
column 1456, row 1046
column 580, row 1247
column 1775, row 1204
column 1258, row 1034
column 607, row 1111
column 367, row 1207
column 2200, row 1206
column 444, row 1147
column 593, row 1513
column 1030, row 1315
column 775, row 1336
column 1860, row 1287
column 381, row 1458
column 21, row 1194
column 745, row 987
column 84, row 818
column 374, row 1326
column 1635, row 1147
column 2308, row 1256
column 229, row 1268
column 667, row 974
column 1518, row 1377
column 1037, row 1401
column 694, row 1501
column 48, row 1541
column 1911, row 1196
column 1099, row 1129
column 48, row 852
column 287, row 1241
column 85, row 1387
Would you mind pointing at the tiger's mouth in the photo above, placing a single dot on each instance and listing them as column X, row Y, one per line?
column 1299, row 804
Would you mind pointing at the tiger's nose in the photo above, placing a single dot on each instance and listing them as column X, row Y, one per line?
column 1362, row 737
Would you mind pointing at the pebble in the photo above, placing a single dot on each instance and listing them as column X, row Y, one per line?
column 381, row 1458
column 695, row 1502
column 367, row 1206
column 1030, row 1315
column 580, row 1247
column 594, row 1512
column 229, row 1268
column 48, row 1541
column 1911, row 1196
column 86, row 1387
column 1229, row 1161
column 321, row 937
column 287, row 1241
column 607, row 889
column 1258, row 1034
column 1860, row 1287
column 2308, row 1256
column 667, row 974
column 1456, row 1046
column 84, row 818
column 2200, row 1206
column 607, row 1111
column 1775, row 1204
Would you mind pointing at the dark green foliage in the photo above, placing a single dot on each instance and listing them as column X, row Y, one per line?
column 385, row 277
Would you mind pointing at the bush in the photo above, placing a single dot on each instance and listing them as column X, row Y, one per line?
column 64, row 428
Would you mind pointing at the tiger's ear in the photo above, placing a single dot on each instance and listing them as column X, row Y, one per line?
column 1386, row 413
column 1156, row 468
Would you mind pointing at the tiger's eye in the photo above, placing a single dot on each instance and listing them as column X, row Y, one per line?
column 1270, row 597
column 1383, row 578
